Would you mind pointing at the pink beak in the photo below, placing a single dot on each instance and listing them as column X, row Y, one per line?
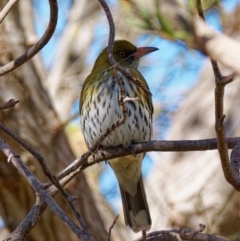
column 143, row 51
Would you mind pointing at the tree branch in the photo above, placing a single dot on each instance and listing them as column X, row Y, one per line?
column 7, row 9
column 68, row 198
column 9, row 104
column 39, row 45
column 221, row 82
column 182, row 234
column 33, row 181
column 87, row 159
column 110, row 49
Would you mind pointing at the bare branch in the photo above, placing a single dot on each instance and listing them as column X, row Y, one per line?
column 110, row 49
column 7, row 9
column 34, row 182
column 29, row 149
column 87, row 159
column 182, row 234
column 111, row 227
column 220, row 82
column 9, row 104
column 29, row 222
column 111, row 32
column 39, row 45
column 121, row 120
column 235, row 161
column 68, row 198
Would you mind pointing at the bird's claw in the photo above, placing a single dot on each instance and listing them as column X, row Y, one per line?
column 133, row 149
column 96, row 151
column 100, row 149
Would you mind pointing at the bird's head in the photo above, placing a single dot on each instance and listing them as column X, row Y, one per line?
column 124, row 53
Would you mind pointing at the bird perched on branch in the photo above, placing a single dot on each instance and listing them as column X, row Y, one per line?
column 120, row 108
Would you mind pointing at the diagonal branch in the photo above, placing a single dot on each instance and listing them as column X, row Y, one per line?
column 39, row 45
column 88, row 159
column 7, row 9
column 48, row 173
column 34, row 182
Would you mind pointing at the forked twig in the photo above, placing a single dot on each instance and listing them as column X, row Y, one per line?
column 220, row 82
column 37, row 186
column 68, row 198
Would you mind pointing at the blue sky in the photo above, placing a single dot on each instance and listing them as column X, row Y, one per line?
column 173, row 71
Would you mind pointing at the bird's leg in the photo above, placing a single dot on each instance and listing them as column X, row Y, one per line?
column 97, row 149
column 132, row 146
column 100, row 149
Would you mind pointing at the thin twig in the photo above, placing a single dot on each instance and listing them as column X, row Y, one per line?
column 87, row 160
column 111, row 32
column 118, row 122
column 9, row 104
column 31, row 150
column 184, row 234
column 38, row 204
column 68, row 198
column 29, row 221
column 111, row 227
column 34, row 182
column 220, row 82
column 39, row 45
column 229, row 78
column 110, row 49
column 81, row 222
column 7, row 9
column 121, row 89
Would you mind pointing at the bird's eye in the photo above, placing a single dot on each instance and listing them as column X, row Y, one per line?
column 122, row 54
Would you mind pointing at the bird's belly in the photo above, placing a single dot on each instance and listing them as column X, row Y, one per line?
column 101, row 110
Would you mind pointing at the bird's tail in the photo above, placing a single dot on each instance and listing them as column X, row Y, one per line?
column 135, row 208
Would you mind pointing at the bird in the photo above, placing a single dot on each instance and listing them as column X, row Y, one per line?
column 100, row 109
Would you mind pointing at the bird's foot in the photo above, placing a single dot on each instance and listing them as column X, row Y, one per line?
column 133, row 149
column 99, row 150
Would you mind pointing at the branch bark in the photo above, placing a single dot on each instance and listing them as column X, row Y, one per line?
column 220, row 82
column 39, row 45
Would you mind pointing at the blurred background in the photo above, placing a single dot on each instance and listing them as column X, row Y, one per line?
column 183, row 189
